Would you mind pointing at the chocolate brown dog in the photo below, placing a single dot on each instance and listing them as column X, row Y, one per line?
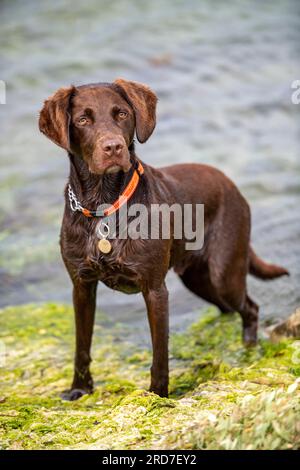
column 96, row 124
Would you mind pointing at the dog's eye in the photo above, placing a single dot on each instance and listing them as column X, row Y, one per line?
column 82, row 121
column 122, row 114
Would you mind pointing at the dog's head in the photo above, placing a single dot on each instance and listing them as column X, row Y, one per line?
column 97, row 122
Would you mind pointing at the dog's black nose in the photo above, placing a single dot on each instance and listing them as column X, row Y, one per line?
column 112, row 147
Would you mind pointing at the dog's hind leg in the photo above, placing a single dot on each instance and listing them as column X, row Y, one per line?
column 249, row 313
column 196, row 278
column 228, row 295
column 232, row 291
column 222, row 278
column 229, row 281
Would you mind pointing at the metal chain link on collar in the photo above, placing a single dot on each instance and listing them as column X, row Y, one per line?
column 74, row 203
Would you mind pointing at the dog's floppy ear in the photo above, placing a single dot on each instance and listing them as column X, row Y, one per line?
column 55, row 118
column 143, row 101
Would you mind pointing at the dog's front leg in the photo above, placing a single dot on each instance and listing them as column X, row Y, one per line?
column 158, row 316
column 84, row 300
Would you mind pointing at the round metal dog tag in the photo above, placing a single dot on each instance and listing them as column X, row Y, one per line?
column 104, row 245
column 103, row 230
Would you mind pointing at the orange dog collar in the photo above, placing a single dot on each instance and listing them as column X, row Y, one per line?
column 122, row 199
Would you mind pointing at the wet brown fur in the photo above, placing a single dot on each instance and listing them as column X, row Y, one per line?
column 217, row 272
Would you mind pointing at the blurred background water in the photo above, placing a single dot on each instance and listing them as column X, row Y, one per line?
column 222, row 71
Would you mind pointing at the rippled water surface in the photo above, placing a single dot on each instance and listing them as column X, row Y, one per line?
column 222, row 72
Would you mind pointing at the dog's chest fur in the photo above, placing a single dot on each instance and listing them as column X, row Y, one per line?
column 117, row 269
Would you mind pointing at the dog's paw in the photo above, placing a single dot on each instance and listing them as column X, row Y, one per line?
column 250, row 337
column 161, row 390
column 74, row 394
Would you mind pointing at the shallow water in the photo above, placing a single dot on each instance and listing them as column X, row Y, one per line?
column 223, row 76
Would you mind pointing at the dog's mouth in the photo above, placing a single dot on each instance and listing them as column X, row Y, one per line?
column 113, row 169
column 115, row 166
column 109, row 169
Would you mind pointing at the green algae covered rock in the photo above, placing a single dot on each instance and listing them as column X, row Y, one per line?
column 221, row 395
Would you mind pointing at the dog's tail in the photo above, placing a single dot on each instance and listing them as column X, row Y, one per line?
column 262, row 270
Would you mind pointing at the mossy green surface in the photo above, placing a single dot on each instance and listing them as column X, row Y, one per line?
column 221, row 395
